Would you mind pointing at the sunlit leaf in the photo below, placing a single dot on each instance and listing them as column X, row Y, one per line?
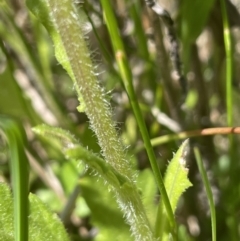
column 43, row 224
column 176, row 179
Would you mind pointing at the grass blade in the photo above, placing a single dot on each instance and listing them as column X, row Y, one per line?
column 208, row 191
column 126, row 75
column 19, row 176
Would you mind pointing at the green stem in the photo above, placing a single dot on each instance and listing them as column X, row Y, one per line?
column 229, row 65
column 135, row 9
column 127, row 80
column 66, row 22
column 208, row 191
column 125, row 191
column 73, row 54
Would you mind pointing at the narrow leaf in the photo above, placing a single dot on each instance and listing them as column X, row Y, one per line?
column 208, row 191
column 19, row 175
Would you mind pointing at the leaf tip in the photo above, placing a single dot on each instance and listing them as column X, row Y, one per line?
column 185, row 150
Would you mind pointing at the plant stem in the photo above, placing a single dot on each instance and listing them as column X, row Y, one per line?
column 73, row 54
column 194, row 133
column 67, row 24
column 127, row 80
column 229, row 65
column 126, row 193
column 208, row 191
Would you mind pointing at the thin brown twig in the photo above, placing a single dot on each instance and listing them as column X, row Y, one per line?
column 194, row 133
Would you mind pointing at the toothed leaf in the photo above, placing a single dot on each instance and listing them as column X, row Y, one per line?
column 176, row 180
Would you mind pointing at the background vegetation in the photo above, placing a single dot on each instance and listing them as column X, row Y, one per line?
column 35, row 89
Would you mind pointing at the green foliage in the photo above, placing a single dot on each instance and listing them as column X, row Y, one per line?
column 176, row 180
column 103, row 208
column 147, row 187
column 19, row 174
column 208, row 191
column 43, row 224
column 194, row 14
column 15, row 106
column 121, row 88
column 193, row 22
column 122, row 187
column 6, row 218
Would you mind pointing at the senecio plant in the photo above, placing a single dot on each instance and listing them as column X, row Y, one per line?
column 63, row 23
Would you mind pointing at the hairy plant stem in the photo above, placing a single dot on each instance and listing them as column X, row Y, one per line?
column 73, row 54
column 126, row 75
column 126, row 192
column 96, row 107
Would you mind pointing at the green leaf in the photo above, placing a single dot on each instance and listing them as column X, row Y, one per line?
column 18, row 106
column 124, row 190
column 176, row 180
column 15, row 39
column 72, row 149
column 105, row 214
column 6, row 217
column 194, row 15
column 60, row 138
column 99, row 200
column 183, row 234
column 43, row 224
column 148, row 189
column 15, row 137
column 42, row 12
